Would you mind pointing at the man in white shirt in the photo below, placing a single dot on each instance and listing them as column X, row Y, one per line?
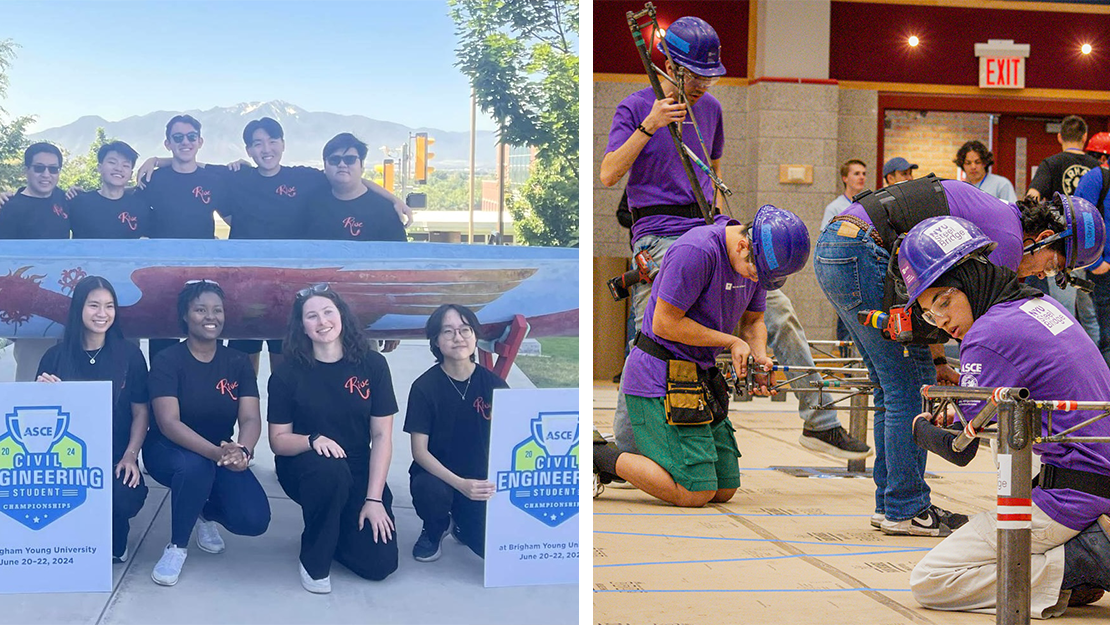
column 975, row 160
column 853, row 173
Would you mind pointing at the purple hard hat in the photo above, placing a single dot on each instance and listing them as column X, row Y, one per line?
column 936, row 245
column 780, row 245
column 694, row 45
column 1087, row 230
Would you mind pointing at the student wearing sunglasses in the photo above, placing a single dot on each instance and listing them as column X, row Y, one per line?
column 200, row 391
column 347, row 211
column 331, row 407
column 37, row 211
column 448, row 419
column 1013, row 336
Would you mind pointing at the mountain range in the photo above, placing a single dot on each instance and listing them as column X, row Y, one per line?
column 306, row 132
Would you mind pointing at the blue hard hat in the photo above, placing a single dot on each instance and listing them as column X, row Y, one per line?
column 936, row 245
column 694, row 45
column 780, row 245
column 1087, row 230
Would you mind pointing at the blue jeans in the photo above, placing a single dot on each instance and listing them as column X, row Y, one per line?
column 785, row 336
column 1101, row 297
column 233, row 499
column 851, row 271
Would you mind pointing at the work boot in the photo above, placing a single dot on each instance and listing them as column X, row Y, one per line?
column 1087, row 561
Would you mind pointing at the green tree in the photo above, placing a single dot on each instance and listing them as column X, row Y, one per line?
column 13, row 140
column 450, row 190
column 521, row 61
column 80, row 171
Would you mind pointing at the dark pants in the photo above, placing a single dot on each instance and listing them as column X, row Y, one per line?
column 331, row 493
column 126, row 503
column 233, row 499
column 1101, row 297
column 436, row 503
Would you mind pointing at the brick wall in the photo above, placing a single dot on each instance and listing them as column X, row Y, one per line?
column 931, row 139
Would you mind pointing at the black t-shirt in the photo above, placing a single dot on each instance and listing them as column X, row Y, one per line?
column 335, row 399
column 181, row 205
column 120, row 363
column 457, row 426
column 208, row 393
column 1060, row 173
column 275, row 207
column 93, row 216
column 26, row 217
column 368, row 217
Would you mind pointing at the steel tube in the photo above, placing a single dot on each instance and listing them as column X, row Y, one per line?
column 937, row 391
column 1014, row 514
column 857, row 428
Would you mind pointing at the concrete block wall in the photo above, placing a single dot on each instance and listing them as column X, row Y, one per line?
column 931, row 139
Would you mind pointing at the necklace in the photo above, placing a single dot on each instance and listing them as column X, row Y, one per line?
column 466, row 389
column 92, row 357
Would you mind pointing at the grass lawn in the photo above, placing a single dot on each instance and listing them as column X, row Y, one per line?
column 557, row 367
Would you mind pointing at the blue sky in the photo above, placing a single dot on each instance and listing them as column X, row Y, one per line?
column 388, row 60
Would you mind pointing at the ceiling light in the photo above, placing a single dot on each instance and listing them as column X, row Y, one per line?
column 1086, row 49
column 913, row 41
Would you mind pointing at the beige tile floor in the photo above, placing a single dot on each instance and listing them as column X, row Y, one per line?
column 784, row 551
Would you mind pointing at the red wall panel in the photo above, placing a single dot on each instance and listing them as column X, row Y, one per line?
column 868, row 43
column 614, row 51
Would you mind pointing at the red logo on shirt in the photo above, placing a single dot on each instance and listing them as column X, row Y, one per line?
column 362, row 387
column 61, row 212
column 286, row 191
column 126, row 218
column 354, row 226
column 481, row 406
column 200, row 192
column 227, row 388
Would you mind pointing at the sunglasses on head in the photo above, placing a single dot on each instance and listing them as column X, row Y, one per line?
column 178, row 137
column 38, row 168
column 314, row 289
column 347, row 159
column 192, row 282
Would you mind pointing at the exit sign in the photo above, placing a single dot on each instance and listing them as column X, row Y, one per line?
column 1002, row 64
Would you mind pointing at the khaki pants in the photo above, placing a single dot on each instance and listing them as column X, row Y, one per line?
column 960, row 573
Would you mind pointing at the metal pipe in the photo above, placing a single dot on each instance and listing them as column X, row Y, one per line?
column 833, row 343
column 1014, row 518
column 818, row 369
column 857, row 428
column 937, row 391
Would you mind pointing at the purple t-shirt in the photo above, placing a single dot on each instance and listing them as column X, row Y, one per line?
column 1000, row 221
column 657, row 177
column 1055, row 360
column 696, row 277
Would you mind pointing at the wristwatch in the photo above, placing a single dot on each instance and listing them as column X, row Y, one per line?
column 312, row 440
column 246, row 452
column 940, row 360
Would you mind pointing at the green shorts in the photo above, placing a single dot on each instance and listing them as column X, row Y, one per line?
column 698, row 457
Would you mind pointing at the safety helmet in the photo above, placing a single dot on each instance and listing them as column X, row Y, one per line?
column 1084, row 234
column 780, row 245
column 694, row 45
column 936, row 245
column 1099, row 143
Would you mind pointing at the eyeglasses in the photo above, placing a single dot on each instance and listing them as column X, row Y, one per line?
column 314, row 289
column 939, row 309
column 701, row 82
column 38, row 168
column 178, row 137
column 450, row 333
column 346, row 159
column 192, row 282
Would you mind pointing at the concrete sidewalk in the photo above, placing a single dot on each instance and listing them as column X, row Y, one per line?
column 256, row 580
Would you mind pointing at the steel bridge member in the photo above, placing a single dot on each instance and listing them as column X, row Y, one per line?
column 1014, row 336
column 852, row 261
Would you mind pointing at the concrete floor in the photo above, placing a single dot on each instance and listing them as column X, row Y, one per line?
column 784, row 551
column 256, row 581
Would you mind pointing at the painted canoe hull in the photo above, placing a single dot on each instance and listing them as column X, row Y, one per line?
column 393, row 287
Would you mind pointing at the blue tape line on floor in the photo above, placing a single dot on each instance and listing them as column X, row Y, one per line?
column 782, row 557
column 744, row 540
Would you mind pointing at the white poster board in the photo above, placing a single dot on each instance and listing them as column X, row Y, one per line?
column 532, row 520
column 56, row 487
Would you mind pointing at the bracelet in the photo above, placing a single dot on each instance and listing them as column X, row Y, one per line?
column 940, row 360
column 374, row 500
column 312, row 440
column 641, row 128
column 248, row 453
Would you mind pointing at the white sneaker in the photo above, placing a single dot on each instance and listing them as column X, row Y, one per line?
column 208, row 537
column 168, row 568
column 122, row 558
column 877, row 520
column 317, row 586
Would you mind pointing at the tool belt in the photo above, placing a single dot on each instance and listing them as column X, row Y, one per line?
column 862, row 225
column 681, row 210
column 695, row 396
column 1052, row 477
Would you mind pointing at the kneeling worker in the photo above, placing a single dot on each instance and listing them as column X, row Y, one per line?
column 712, row 278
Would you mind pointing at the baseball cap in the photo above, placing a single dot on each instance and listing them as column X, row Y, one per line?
column 897, row 164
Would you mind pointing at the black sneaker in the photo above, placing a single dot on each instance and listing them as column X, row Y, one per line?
column 835, row 442
column 427, row 547
column 931, row 521
column 603, row 477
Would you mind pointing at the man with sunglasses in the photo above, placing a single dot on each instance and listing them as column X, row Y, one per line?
column 37, row 211
column 663, row 206
column 348, row 211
